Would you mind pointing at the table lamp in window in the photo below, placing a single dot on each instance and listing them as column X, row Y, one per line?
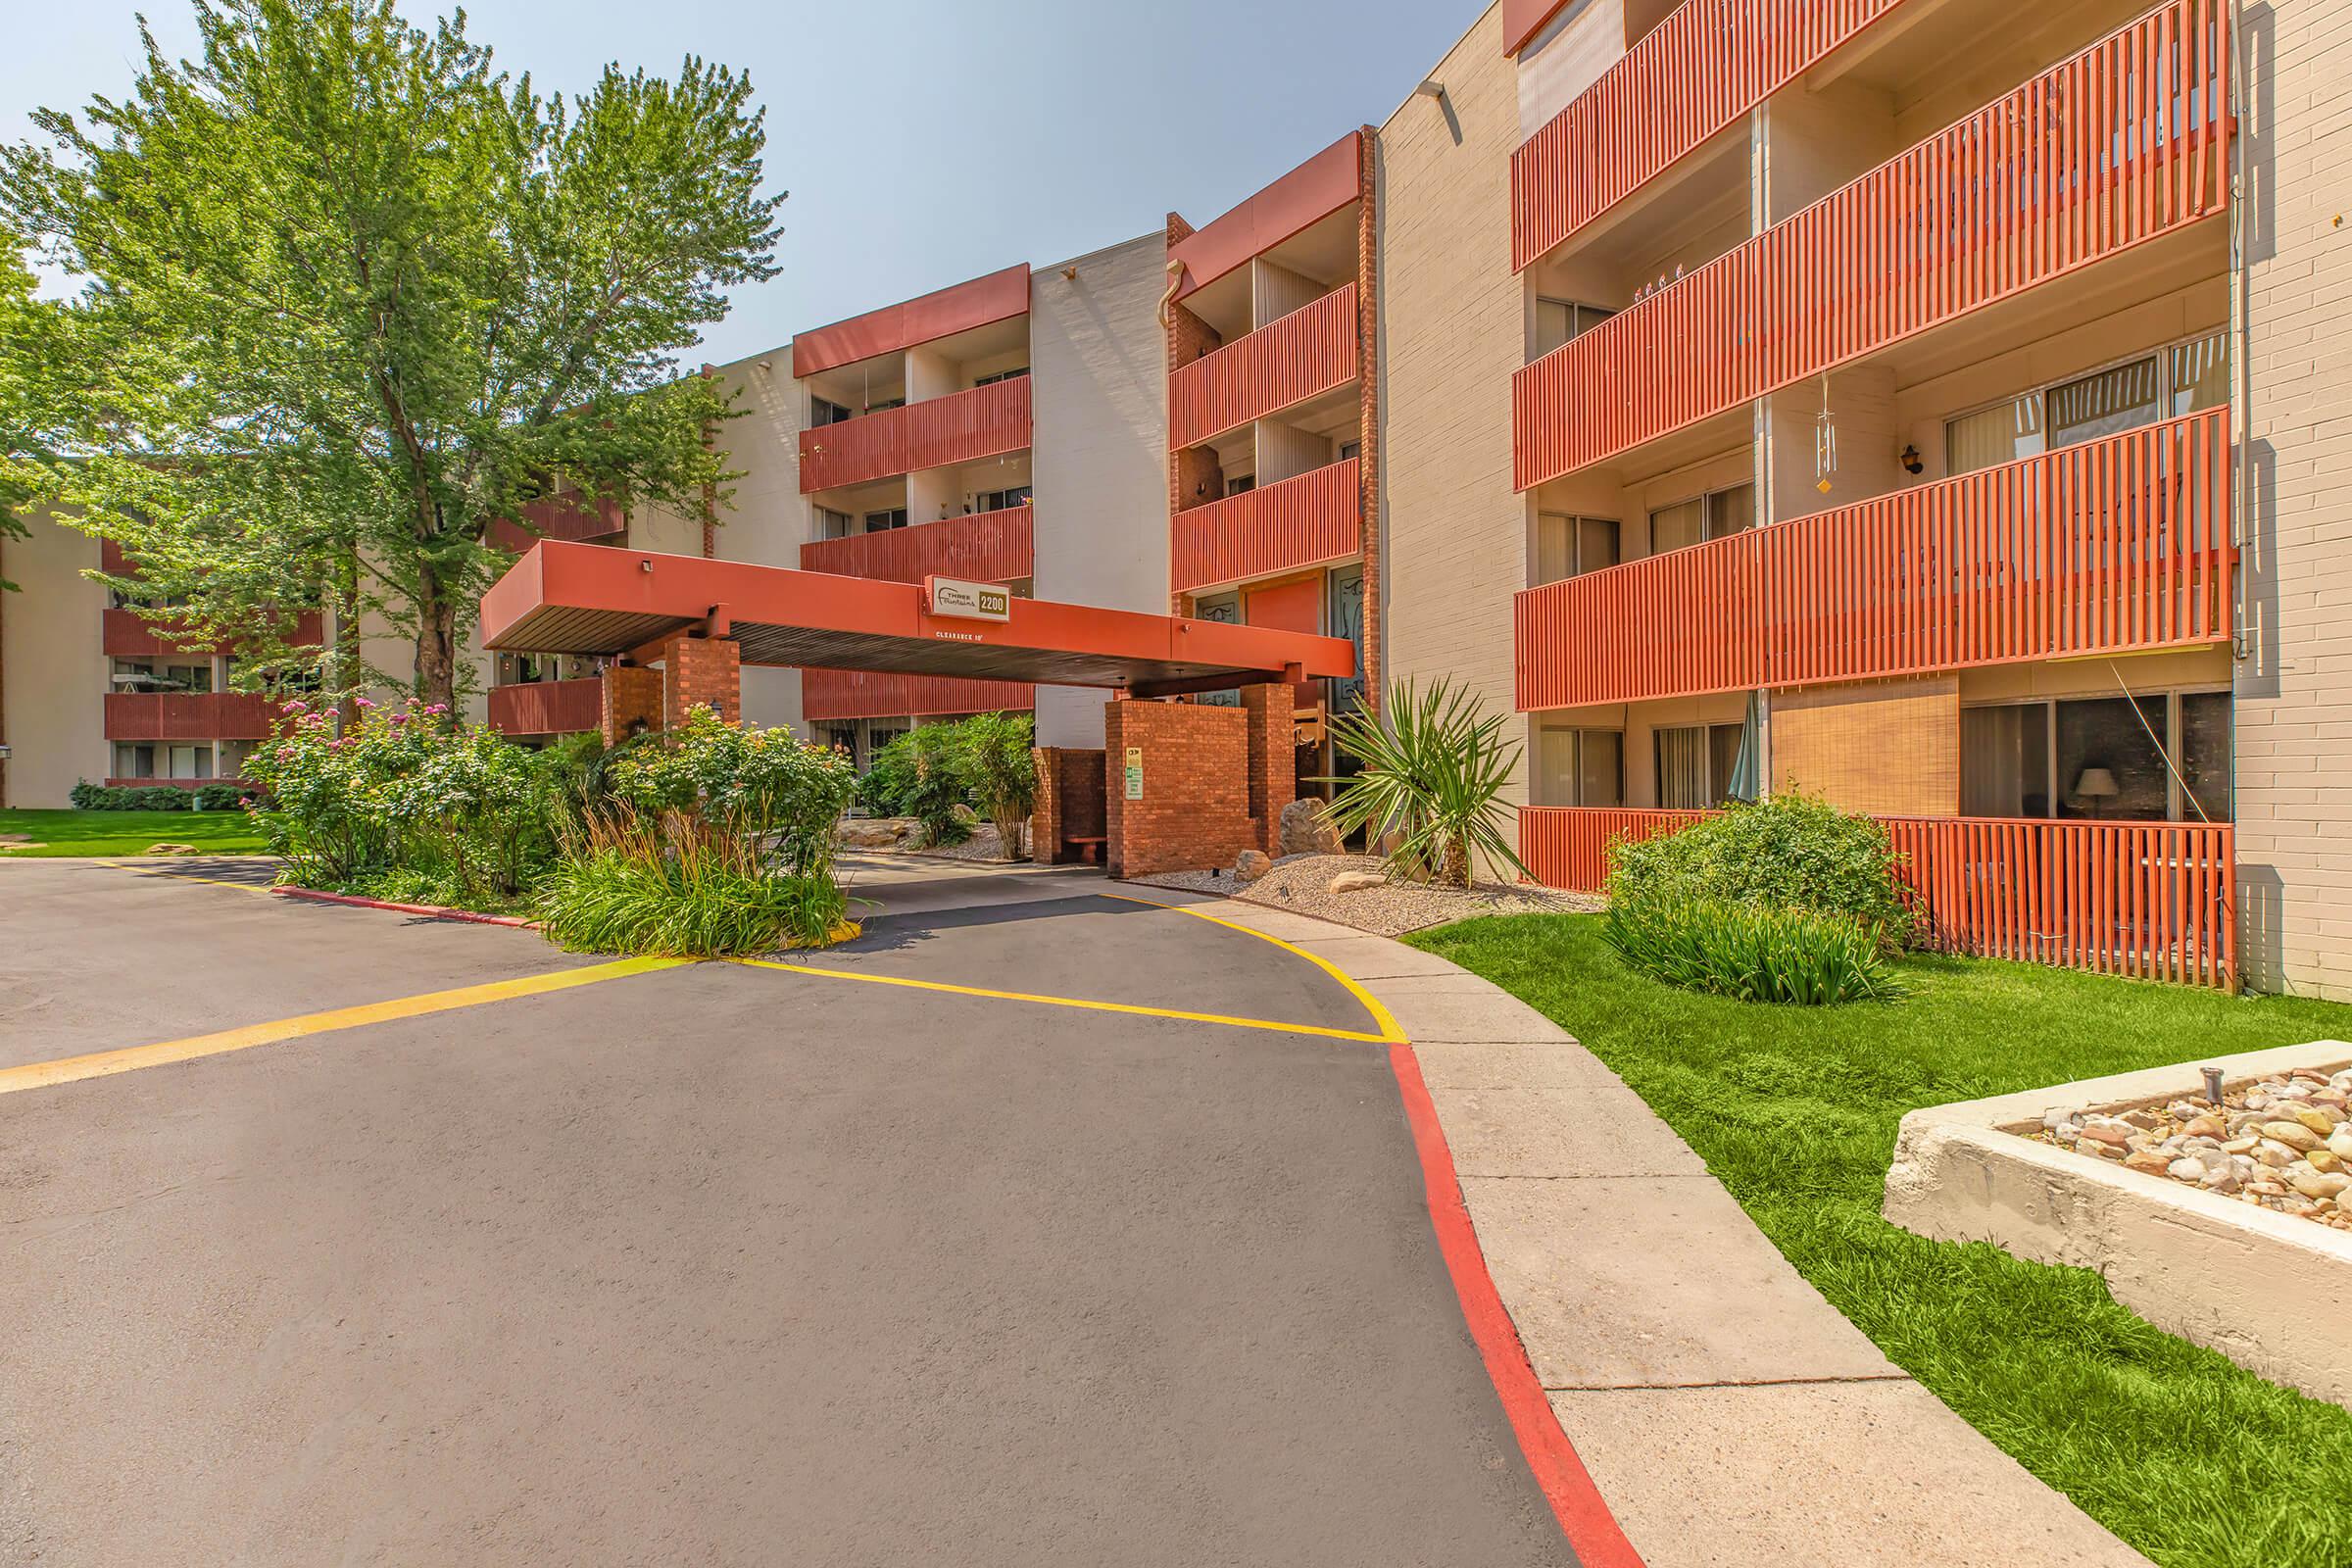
column 2097, row 786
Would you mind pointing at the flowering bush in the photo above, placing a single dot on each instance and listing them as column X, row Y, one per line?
column 463, row 811
column 764, row 788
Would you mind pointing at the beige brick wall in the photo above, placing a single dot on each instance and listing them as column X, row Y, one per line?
column 1453, row 533
column 2295, row 721
column 49, row 658
column 1889, row 747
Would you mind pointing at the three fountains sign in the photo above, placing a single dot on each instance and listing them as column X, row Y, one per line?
column 968, row 600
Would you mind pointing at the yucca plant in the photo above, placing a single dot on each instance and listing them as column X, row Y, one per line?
column 1434, row 766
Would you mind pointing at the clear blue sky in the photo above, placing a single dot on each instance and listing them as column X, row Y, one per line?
column 923, row 141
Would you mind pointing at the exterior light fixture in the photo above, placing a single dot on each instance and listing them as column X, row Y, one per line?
column 1911, row 460
column 1431, row 87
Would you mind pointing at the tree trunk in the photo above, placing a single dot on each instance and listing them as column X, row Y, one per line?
column 345, row 663
column 1455, row 870
column 436, row 644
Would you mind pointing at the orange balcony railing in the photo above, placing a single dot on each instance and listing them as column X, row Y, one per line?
column 2117, row 545
column 2122, row 144
column 566, row 516
column 979, row 423
column 887, row 694
column 128, row 634
column 1291, row 523
column 189, row 715
column 985, row 547
column 1288, row 361
column 2150, row 900
column 1690, row 77
column 548, row 707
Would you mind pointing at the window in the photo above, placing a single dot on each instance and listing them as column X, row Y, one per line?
column 2182, row 378
column 134, row 762
column 1241, row 484
column 1570, row 547
column 821, row 412
column 1225, row 607
column 1000, row 375
column 888, row 518
column 1349, row 450
column 191, row 762
column 2100, row 758
column 1717, row 515
column 1580, row 766
column 885, row 405
column 831, row 524
column 1345, row 619
column 232, row 758
column 1558, row 321
column 1002, row 500
column 1695, row 765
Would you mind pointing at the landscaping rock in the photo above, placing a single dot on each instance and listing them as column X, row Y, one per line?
column 1357, row 882
column 869, row 833
column 2108, row 1130
column 173, row 849
column 1250, row 866
column 2293, row 1134
column 1302, row 830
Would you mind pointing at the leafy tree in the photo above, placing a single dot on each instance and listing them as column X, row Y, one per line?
column 348, row 295
column 1434, row 769
column 32, row 375
column 993, row 758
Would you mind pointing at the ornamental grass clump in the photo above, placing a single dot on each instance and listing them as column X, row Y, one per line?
column 1784, row 900
column 712, row 841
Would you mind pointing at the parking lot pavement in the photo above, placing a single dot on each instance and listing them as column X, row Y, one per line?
column 729, row 1264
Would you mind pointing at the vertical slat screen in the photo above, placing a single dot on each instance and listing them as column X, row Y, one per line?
column 1312, row 517
column 1288, row 361
column 984, row 547
column 977, row 423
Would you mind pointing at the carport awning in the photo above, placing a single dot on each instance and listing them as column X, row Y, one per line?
column 591, row 599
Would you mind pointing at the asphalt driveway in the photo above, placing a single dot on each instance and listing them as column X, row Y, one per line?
column 715, row 1263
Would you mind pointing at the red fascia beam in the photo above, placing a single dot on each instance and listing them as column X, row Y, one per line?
column 997, row 297
column 600, row 578
column 1521, row 20
column 1292, row 204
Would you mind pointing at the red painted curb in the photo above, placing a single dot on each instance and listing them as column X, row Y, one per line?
column 1592, row 1531
column 433, row 910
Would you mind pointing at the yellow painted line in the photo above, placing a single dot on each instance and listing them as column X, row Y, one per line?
column 105, row 1063
column 184, row 876
column 1391, row 1033
column 1274, row 1024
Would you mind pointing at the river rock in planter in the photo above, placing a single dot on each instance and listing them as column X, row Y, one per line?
column 1357, row 882
column 2293, row 1134
column 1250, row 866
column 1302, row 830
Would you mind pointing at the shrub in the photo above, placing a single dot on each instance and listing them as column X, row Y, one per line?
column 765, row 790
column 159, row 798
column 925, row 782
column 1788, row 852
column 219, row 798
column 889, row 785
column 85, row 796
column 1751, row 952
column 671, row 885
column 1434, row 766
column 992, row 756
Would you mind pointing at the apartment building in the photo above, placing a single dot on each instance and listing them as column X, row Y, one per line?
column 1936, row 405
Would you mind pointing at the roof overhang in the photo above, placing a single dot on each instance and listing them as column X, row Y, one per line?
column 593, row 599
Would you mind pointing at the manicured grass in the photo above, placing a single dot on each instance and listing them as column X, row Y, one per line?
column 129, row 832
column 2175, row 1448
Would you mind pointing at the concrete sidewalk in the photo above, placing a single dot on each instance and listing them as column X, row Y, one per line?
column 1729, row 1415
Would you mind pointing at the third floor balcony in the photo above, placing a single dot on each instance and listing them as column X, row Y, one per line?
column 2117, row 545
column 1286, row 525
column 1311, row 351
column 2121, row 145
column 982, row 422
column 984, row 547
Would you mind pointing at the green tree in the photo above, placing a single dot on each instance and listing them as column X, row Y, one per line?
column 348, row 295
column 993, row 758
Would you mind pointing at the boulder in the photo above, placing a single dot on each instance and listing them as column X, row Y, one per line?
column 1250, row 866
column 869, row 833
column 173, row 849
column 1302, row 830
column 965, row 814
column 1357, row 882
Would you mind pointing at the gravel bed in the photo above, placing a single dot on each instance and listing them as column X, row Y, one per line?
column 981, row 846
column 2284, row 1143
column 1302, row 883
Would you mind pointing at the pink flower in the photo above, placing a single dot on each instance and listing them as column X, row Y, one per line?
column 298, row 706
column 363, row 702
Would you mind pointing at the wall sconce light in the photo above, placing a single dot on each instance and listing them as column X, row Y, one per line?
column 1070, row 275
column 1911, row 460
column 1200, row 487
column 1432, row 87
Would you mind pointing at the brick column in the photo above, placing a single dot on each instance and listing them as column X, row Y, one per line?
column 633, row 696
column 701, row 669
column 1273, row 759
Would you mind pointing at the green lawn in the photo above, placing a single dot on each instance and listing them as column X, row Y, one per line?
column 129, row 832
column 2173, row 1448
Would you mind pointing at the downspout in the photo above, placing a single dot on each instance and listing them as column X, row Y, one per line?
column 2241, row 524
column 1167, row 322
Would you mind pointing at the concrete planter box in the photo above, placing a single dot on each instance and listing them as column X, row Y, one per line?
column 2272, row 1292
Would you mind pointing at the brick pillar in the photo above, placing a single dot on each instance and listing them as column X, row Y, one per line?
column 701, row 669
column 632, row 698
column 1273, row 759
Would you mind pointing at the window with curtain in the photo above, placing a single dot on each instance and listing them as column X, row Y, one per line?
column 2095, row 759
column 1695, row 764
column 1676, row 527
column 1732, row 511
column 1994, row 436
column 1580, row 766
column 2198, row 375
column 2204, row 756
column 1559, row 321
column 2120, row 398
column 2005, row 760
column 1569, row 547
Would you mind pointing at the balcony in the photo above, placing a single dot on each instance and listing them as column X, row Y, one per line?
column 830, row 694
column 1310, row 351
column 2124, row 143
column 127, row 634
column 570, row 517
column 2115, row 546
column 1284, row 526
column 189, row 715
column 548, row 707
column 979, row 423
column 985, row 547
column 1692, row 77
column 2149, row 900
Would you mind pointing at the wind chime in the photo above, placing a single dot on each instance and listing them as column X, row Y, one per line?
column 1824, row 440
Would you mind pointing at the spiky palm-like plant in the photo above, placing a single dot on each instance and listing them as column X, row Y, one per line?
column 1434, row 770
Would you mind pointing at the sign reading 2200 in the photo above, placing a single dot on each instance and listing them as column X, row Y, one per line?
column 969, row 601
